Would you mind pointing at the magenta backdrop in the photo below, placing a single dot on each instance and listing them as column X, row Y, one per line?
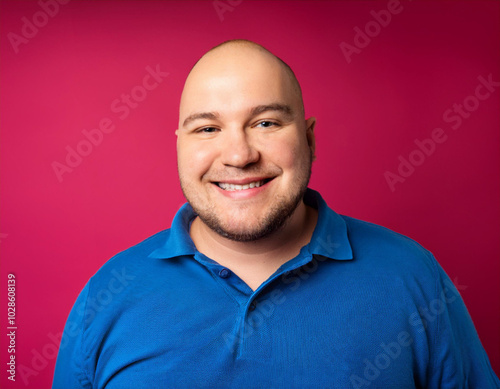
column 407, row 103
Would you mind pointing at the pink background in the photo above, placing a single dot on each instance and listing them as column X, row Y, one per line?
column 56, row 233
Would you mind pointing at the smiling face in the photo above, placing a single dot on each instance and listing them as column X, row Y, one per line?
column 244, row 148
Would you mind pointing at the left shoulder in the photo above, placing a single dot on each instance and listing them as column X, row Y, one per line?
column 382, row 245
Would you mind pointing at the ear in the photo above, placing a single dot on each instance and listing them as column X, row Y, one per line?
column 311, row 140
column 177, row 132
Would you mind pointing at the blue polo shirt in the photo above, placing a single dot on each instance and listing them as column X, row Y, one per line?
column 359, row 307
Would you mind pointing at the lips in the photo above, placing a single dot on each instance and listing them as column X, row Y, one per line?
column 232, row 187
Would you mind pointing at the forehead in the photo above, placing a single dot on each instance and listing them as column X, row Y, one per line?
column 236, row 81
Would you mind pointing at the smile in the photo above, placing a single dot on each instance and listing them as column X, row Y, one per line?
column 235, row 187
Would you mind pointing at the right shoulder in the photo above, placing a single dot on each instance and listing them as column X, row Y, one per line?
column 129, row 264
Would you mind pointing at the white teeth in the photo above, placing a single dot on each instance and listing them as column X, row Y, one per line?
column 233, row 187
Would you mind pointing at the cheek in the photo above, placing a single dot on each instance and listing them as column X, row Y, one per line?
column 193, row 158
column 288, row 153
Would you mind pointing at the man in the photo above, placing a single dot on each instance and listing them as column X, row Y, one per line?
column 258, row 283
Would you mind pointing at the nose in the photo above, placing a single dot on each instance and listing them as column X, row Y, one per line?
column 237, row 149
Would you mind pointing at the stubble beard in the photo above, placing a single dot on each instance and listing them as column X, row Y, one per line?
column 281, row 210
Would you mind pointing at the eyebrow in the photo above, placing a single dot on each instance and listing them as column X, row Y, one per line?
column 200, row 115
column 283, row 108
column 276, row 107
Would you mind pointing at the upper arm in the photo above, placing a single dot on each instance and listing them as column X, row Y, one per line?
column 70, row 371
column 458, row 359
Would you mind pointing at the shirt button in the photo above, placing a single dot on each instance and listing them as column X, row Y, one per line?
column 224, row 273
column 252, row 306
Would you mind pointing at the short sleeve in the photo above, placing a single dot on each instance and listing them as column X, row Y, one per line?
column 70, row 370
column 458, row 359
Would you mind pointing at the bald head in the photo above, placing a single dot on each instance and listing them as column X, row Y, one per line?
column 244, row 148
column 239, row 62
column 242, row 44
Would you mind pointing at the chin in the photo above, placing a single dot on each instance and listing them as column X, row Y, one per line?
column 243, row 235
column 239, row 232
column 246, row 229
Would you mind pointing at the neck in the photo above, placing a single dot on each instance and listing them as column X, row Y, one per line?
column 254, row 261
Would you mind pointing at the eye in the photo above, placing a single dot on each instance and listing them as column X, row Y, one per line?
column 208, row 130
column 266, row 124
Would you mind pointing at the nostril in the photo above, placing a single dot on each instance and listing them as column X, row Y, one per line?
column 240, row 156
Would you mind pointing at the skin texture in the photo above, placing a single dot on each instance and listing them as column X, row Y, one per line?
column 242, row 120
